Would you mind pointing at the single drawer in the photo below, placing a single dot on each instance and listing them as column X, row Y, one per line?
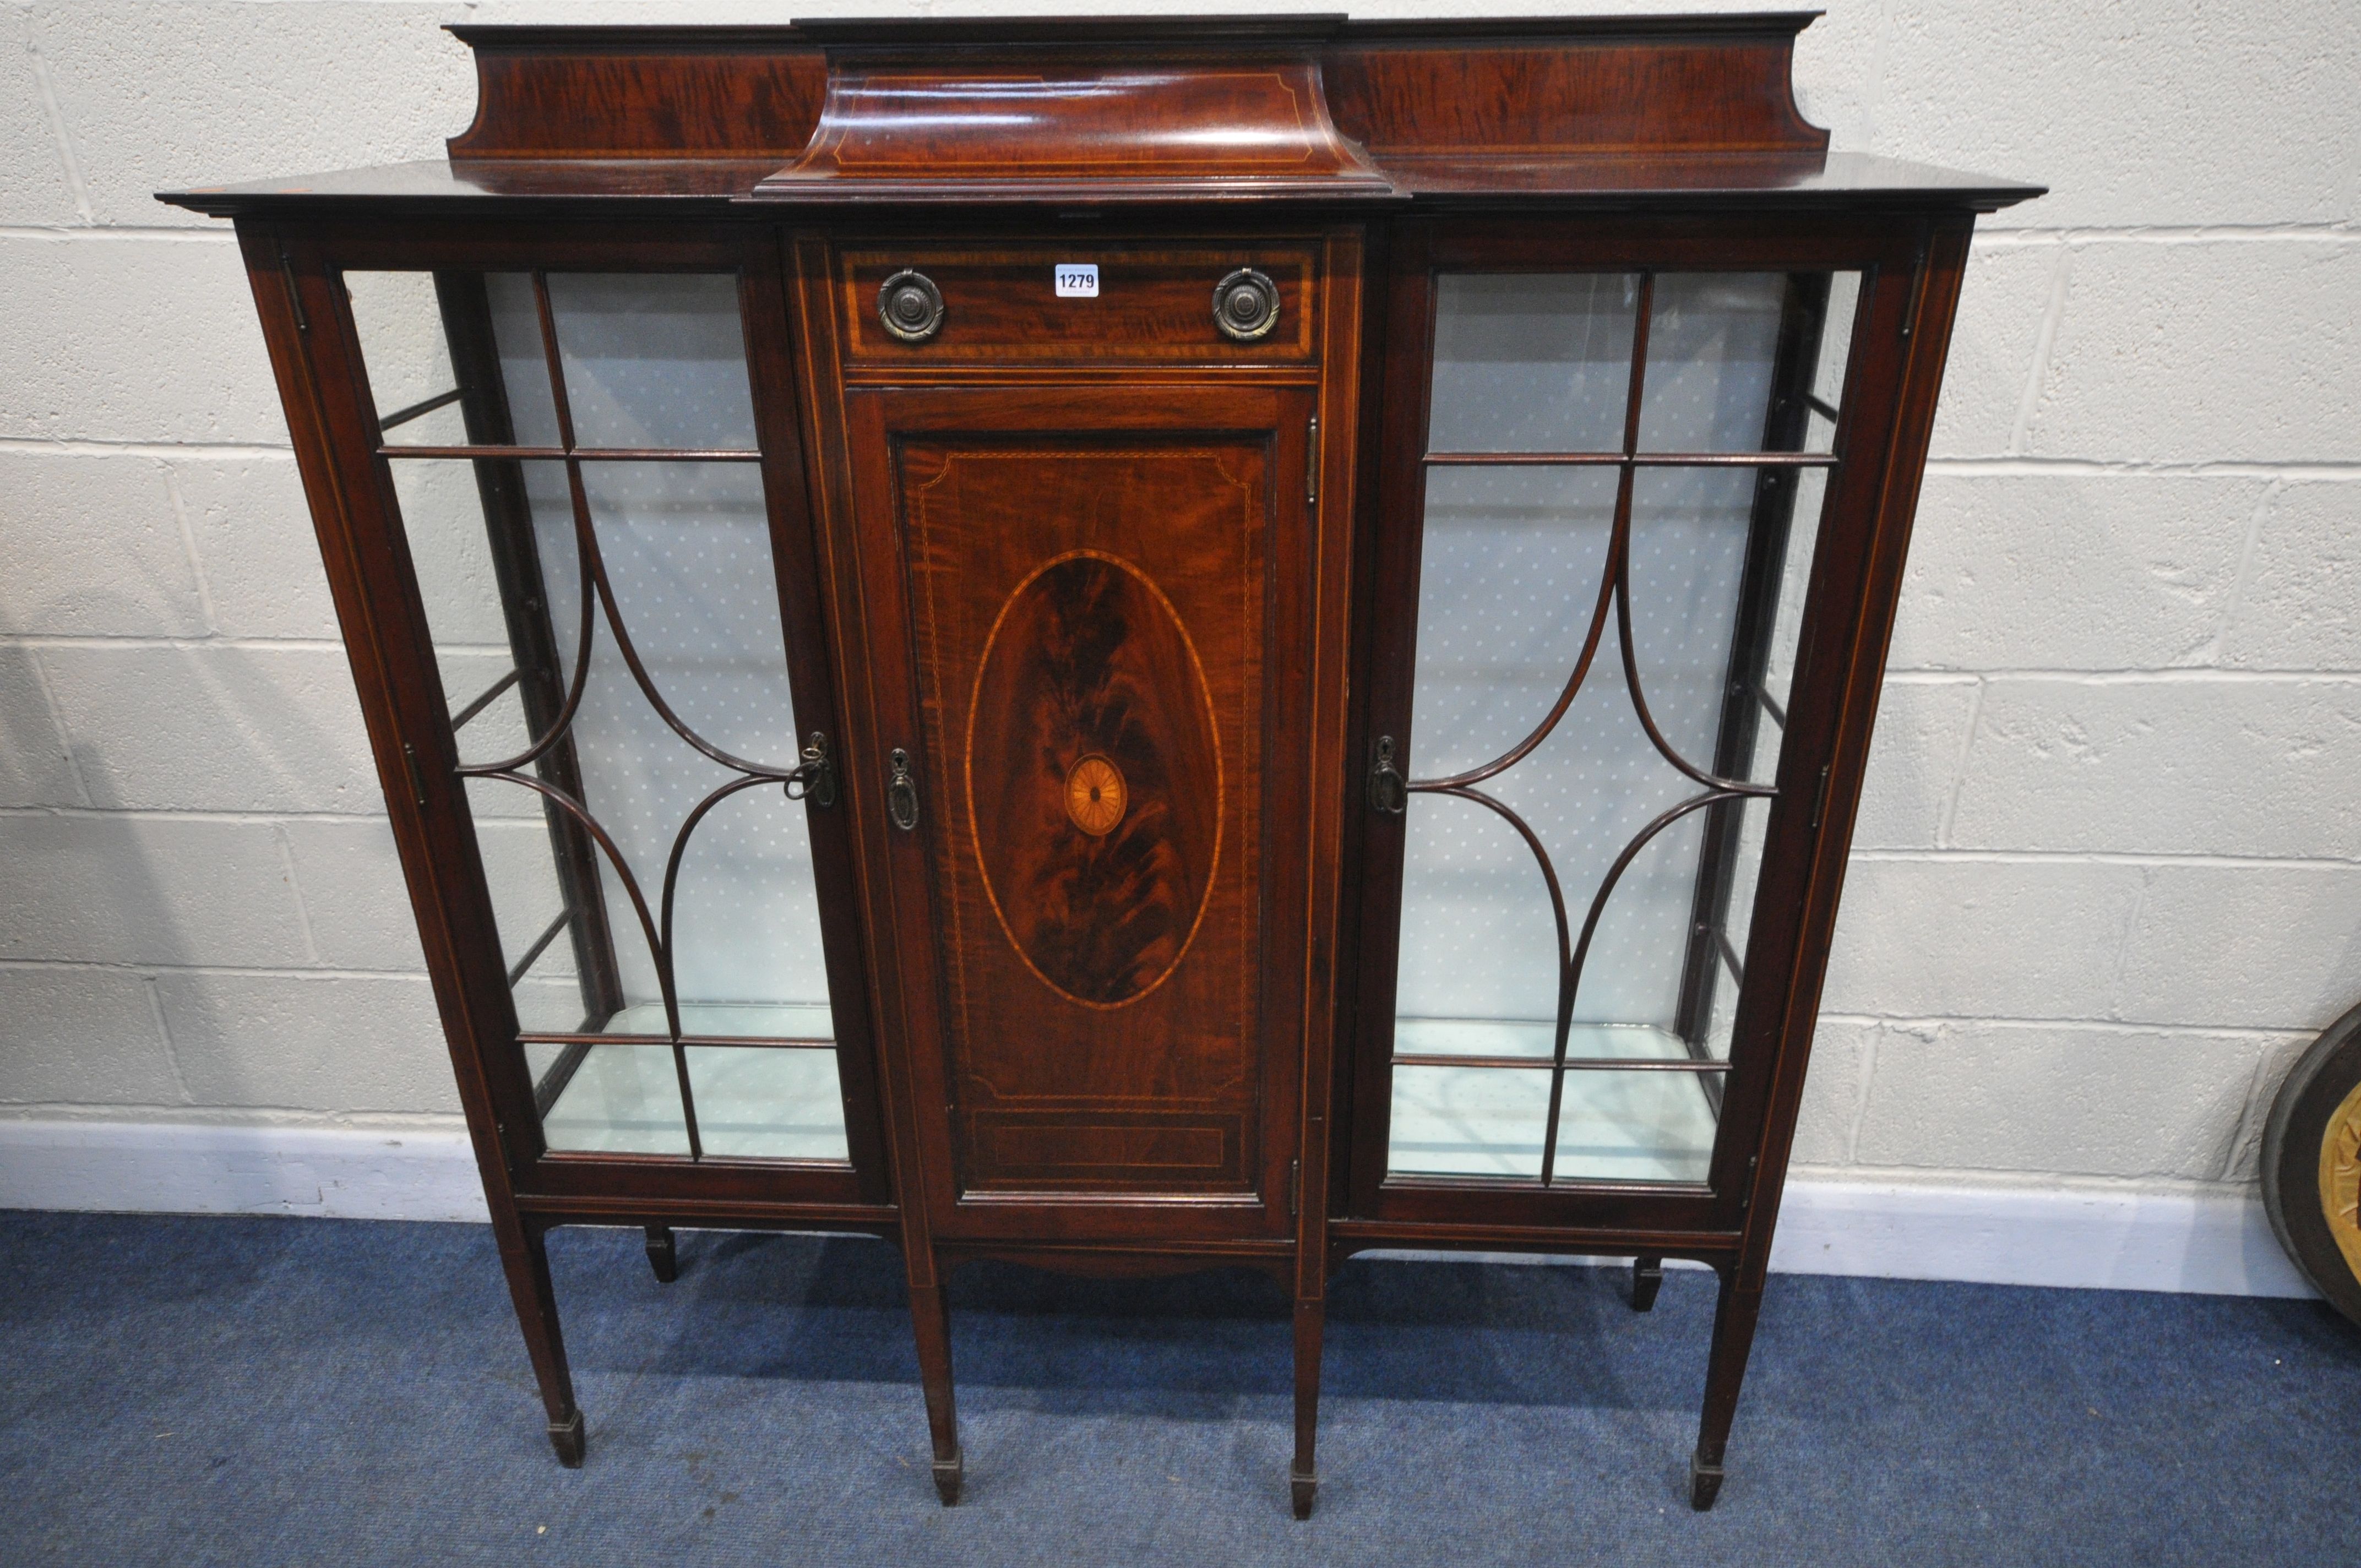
column 1000, row 303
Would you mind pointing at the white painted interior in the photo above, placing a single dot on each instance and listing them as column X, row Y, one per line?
column 2106, row 881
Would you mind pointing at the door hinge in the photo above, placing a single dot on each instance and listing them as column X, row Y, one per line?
column 1820, row 799
column 1312, row 462
column 294, row 295
column 1295, row 1190
column 417, row 777
column 1918, row 284
column 1746, row 1193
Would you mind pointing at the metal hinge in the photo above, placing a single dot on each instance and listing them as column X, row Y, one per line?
column 294, row 295
column 417, row 777
column 1918, row 284
column 1312, row 462
column 1820, row 799
column 1294, row 1188
column 1746, row 1194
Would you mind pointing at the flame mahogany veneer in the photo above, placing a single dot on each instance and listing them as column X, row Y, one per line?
column 1103, row 612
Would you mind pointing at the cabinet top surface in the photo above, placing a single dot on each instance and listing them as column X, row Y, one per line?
column 1147, row 110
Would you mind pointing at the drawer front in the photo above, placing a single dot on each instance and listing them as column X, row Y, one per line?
column 1000, row 306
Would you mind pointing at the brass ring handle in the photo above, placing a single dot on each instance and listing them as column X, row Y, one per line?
column 1245, row 305
column 910, row 306
column 1389, row 791
column 902, row 792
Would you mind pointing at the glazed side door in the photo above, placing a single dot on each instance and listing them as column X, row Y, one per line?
column 562, row 509
column 1088, row 614
column 1635, row 561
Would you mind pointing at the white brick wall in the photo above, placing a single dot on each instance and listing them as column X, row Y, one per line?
column 2108, row 872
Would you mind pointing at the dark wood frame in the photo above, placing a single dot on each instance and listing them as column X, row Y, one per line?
column 1910, row 278
column 1650, row 144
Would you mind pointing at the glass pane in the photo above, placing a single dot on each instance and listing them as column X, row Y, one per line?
column 1612, row 1126
column 551, row 996
column 1689, row 538
column 1715, row 341
column 618, row 1100
column 1514, row 561
column 523, row 356
column 512, row 841
column 1720, row 562
column 1724, row 966
column 1536, row 1037
column 687, row 548
column 1828, row 371
column 766, row 1103
column 1508, row 579
column 653, row 360
column 1478, row 944
column 728, row 1020
column 487, row 580
column 1531, row 1037
column 1788, row 615
column 686, row 552
column 1532, row 362
column 1634, row 1126
column 404, row 321
column 1468, row 1121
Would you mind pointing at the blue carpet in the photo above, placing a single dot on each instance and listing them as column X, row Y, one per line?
column 193, row 1391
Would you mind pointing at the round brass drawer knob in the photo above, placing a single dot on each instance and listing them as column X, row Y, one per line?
column 910, row 306
column 1245, row 305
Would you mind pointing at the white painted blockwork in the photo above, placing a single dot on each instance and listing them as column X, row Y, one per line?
column 2094, row 1239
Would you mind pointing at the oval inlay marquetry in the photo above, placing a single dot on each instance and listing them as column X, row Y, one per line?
column 1094, row 779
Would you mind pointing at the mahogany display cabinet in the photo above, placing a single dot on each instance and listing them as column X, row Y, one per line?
column 1131, row 645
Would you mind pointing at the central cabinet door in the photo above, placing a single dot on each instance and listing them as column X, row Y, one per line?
column 1089, row 614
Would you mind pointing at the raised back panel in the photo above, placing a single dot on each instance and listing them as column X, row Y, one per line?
column 1654, row 87
column 640, row 93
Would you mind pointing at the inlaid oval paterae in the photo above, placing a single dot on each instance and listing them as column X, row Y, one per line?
column 1094, row 779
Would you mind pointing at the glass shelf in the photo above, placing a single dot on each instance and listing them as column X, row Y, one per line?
column 752, row 1102
column 1488, row 1121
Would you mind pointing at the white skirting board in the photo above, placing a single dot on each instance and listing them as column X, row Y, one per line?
column 180, row 1167
column 2082, row 1237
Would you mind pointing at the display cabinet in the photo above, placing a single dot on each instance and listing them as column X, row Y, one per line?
column 1131, row 645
